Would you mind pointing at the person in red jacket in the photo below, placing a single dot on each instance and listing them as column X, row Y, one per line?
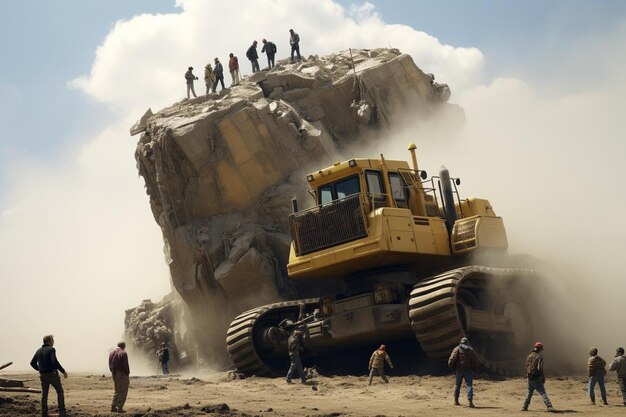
column 118, row 364
column 233, row 66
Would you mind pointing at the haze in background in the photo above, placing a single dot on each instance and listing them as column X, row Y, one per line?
column 78, row 241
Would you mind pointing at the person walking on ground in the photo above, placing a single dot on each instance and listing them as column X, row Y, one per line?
column 294, row 346
column 190, row 79
column 164, row 353
column 270, row 49
column 377, row 364
column 464, row 362
column 219, row 74
column 209, row 78
column 619, row 366
column 536, row 377
column 233, row 67
column 46, row 363
column 120, row 371
column 596, row 371
column 294, row 41
column 253, row 56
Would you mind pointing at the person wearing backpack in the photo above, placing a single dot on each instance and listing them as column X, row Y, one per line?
column 270, row 49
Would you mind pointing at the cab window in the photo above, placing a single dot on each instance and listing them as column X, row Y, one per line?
column 398, row 189
column 374, row 182
column 340, row 189
column 326, row 194
column 347, row 187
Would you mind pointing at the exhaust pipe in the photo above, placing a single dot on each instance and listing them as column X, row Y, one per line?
column 448, row 197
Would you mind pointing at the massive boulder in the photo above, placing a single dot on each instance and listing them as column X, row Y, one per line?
column 221, row 169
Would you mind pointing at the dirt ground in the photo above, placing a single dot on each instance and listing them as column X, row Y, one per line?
column 215, row 394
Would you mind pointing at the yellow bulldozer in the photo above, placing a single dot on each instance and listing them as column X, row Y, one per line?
column 386, row 254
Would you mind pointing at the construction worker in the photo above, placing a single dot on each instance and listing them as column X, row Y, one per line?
column 120, row 371
column 164, row 357
column 596, row 371
column 377, row 364
column 294, row 346
column 294, row 41
column 46, row 363
column 233, row 67
column 253, row 56
column 536, row 377
column 209, row 78
column 190, row 79
column 464, row 362
column 619, row 366
column 270, row 49
column 219, row 74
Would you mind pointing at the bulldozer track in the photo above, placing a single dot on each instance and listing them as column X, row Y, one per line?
column 240, row 337
column 436, row 322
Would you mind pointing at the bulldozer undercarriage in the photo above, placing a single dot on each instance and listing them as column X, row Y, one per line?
column 488, row 305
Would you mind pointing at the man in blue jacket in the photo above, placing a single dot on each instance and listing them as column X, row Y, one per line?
column 45, row 361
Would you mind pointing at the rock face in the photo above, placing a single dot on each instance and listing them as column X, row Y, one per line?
column 220, row 171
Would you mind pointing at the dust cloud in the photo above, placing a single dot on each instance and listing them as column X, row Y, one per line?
column 551, row 164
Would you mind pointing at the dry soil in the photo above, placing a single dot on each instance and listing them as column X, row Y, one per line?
column 213, row 394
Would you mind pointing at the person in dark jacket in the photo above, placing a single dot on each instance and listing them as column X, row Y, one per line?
column 596, row 369
column 464, row 362
column 294, row 346
column 294, row 41
column 270, row 49
column 218, row 71
column 120, row 371
column 536, row 378
column 253, row 56
column 190, row 79
column 619, row 366
column 164, row 353
column 46, row 363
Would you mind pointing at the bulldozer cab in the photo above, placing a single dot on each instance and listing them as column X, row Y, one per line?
column 376, row 212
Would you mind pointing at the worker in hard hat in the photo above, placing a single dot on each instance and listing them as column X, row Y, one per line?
column 536, row 377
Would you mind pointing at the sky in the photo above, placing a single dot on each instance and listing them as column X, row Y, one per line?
column 541, row 84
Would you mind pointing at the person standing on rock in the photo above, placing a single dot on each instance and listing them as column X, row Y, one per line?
column 190, row 79
column 233, row 67
column 164, row 353
column 536, row 377
column 270, row 49
column 253, row 56
column 619, row 366
column 294, row 346
column 209, row 78
column 464, row 362
column 46, row 363
column 294, row 41
column 596, row 369
column 120, row 371
column 219, row 74
column 377, row 364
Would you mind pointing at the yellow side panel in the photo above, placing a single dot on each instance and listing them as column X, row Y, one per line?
column 491, row 233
